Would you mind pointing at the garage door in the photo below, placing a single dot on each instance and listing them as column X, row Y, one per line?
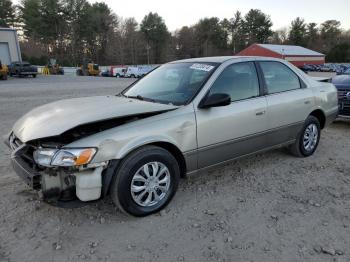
column 5, row 53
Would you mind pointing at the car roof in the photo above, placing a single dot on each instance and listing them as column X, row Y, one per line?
column 212, row 59
column 222, row 59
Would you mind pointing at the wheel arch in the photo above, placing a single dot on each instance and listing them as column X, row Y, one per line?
column 320, row 115
column 114, row 164
column 162, row 143
column 176, row 152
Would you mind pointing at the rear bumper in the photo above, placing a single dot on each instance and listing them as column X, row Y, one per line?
column 331, row 117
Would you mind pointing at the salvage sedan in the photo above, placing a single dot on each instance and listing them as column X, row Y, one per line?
column 183, row 117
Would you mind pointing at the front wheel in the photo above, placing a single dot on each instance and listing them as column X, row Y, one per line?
column 307, row 139
column 146, row 181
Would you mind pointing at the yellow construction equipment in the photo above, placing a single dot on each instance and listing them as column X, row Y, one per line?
column 88, row 69
column 3, row 71
column 53, row 68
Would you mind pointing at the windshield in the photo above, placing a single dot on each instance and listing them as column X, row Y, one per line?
column 173, row 84
column 347, row 71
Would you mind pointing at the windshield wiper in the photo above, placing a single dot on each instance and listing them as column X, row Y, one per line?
column 139, row 97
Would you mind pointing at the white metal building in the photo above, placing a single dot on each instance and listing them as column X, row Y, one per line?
column 9, row 46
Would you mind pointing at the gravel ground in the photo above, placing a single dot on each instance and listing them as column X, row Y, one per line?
column 268, row 207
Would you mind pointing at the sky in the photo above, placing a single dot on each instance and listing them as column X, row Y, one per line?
column 179, row 13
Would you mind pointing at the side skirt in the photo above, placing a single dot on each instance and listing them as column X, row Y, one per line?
column 211, row 167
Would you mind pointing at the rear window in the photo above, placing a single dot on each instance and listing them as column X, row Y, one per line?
column 279, row 78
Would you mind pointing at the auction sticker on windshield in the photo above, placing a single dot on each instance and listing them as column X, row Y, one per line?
column 202, row 67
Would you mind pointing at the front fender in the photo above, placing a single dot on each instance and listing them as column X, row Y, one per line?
column 175, row 127
column 139, row 142
column 111, row 149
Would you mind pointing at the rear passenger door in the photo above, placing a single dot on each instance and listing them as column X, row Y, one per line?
column 289, row 101
column 237, row 129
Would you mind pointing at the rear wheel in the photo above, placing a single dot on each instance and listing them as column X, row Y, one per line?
column 146, row 181
column 34, row 75
column 308, row 138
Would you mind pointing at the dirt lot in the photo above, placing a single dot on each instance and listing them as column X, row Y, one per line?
column 268, row 207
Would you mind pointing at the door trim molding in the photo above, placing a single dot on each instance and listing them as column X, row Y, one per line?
column 239, row 139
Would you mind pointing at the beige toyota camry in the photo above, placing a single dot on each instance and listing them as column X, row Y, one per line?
column 182, row 118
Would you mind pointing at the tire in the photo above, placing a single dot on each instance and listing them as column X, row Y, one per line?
column 34, row 75
column 299, row 148
column 132, row 166
column 117, row 76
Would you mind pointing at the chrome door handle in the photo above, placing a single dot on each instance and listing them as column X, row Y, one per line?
column 260, row 113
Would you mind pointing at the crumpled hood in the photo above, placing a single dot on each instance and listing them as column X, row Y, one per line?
column 55, row 118
column 342, row 81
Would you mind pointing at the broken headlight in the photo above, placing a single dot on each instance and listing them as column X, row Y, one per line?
column 64, row 157
column 43, row 156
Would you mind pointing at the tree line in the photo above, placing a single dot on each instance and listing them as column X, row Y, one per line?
column 75, row 30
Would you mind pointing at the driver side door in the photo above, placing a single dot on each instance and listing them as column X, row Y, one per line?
column 227, row 132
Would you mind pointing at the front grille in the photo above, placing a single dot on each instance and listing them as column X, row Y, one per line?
column 14, row 142
column 344, row 107
column 344, row 112
column 342, row 95
column 23, row 162
column 24, row 151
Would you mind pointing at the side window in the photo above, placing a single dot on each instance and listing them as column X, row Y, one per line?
column 279, row 77
column 240, row 81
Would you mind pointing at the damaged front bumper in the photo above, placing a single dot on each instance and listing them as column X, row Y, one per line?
column 64, row 187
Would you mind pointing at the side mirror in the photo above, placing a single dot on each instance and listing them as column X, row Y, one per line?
column 215, row 100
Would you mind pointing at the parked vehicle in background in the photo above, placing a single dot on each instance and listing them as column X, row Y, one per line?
column 138, row 71
column 106, row 73
column 341, row 69
column 22, row 69
column 53, row 68
column 119, row 71
column 326, row 68
column 342, row 83
column 308, row 68
column 317, row 68
column 338, row 68
column 133, row 72
column 182, row 117
column 88, row 69
column 3, row 71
